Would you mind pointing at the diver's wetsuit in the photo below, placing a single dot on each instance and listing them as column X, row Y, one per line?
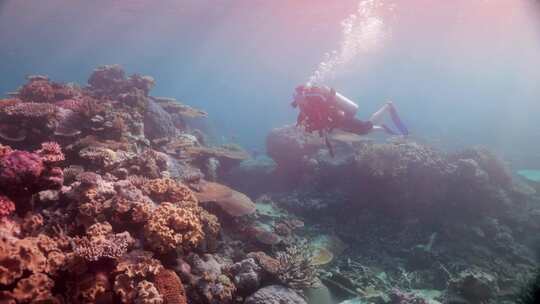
column 318, row 114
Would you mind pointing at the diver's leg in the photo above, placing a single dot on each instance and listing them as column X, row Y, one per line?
column 397, row 120
column 377, row 117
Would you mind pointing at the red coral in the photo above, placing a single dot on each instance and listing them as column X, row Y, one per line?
column 7, row 206
column 51, row 153
column 40, row 90
column 19, row 171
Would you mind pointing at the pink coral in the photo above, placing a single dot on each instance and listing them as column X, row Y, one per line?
column 7, row 206
column 19, row 171
column 51, row 153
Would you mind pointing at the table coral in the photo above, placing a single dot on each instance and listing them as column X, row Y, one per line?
column 173, row 227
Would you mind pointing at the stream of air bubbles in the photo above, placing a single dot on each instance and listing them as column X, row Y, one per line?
column 362, row 33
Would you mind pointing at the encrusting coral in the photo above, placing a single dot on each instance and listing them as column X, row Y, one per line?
column 173, row 227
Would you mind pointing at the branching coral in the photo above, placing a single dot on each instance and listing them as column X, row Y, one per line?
column 112, row 246
column 296, row 269
column 173, row 227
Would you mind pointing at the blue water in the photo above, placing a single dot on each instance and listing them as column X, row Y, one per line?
column 461, row 73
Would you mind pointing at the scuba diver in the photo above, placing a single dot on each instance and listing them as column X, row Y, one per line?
column 322, row 109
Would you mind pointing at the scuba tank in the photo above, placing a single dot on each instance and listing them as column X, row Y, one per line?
column 345, row 104
column 349, row 107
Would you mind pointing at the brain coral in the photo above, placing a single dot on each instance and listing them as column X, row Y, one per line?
column 171, row 226
column 170, row 287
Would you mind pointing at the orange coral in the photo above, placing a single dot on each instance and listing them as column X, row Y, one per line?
column 170, row 287
column 168, row 190
column 35, row 288
column 147, row 293
column 171, row 227
column 132, row 269
column 90, row 288
column 31, row 254
column 31, row 223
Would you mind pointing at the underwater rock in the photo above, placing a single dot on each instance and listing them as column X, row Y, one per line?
column 475, row 286
column 246, row 275
column 157, row 122
column 275, row 294
column 208, row 282
column 289, row 146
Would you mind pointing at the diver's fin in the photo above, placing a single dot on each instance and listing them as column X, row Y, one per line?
column 397, row 121
column 388, row 130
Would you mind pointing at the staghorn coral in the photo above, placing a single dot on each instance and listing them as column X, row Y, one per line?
column 168, row 190
column 170, row 287
column 296, row 269
column 173, row 227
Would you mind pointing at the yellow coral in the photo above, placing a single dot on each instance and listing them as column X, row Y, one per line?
column 171, row 227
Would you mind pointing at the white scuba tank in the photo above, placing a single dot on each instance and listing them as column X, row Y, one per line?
column 346, row 105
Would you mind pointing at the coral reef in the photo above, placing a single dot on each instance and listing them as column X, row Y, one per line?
column 275, row 294
column 173, row 227
column 110, row 195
